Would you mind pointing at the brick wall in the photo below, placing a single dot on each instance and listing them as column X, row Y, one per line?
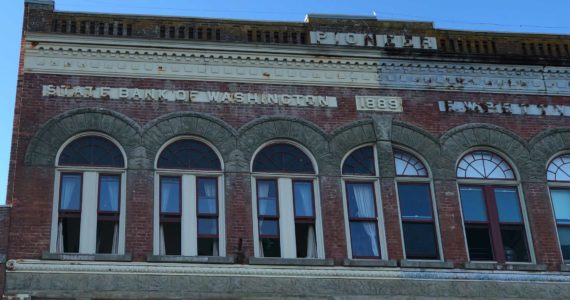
column 4, row 228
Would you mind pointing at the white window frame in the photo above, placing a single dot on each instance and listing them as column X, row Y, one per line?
column 286, row 209
column 429, row 181
column 89, row 203
column 494, row 182
column 556, row 185
column 188, row 197
column 378, row 198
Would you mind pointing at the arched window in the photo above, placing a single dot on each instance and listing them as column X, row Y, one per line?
column 362, row 205
column 492, row 210
column 558, row 175
column 285, row 198
column 417, row 213
column 89, row 197
column 188, row 200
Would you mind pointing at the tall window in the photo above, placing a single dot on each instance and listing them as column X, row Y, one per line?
column 416, row 207
column 361, row 189
column 494, row 220
column 89, row 197
column 189, row 206
column 558, row 175
column 286, row 203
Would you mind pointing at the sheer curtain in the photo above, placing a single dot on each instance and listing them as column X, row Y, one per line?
column 112, row 191
column 69, row 191
column 304, row 207
column 165, row 197
column 209, row 188
column 263, row 195
column 59, row 237
column 311, row 243
column 365, row 206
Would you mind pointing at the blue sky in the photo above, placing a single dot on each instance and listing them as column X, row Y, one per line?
column 552, row 16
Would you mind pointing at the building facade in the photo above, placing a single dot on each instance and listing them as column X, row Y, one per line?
column 339, row 158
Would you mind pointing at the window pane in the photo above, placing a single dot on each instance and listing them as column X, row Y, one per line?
column 107, row 236
column 70, row 192
column 360, row 162
column 270, row 248
column 361, row 200
column 189, row 154
column 419, row 239
column 561, row 203
column 473, row 204
column 364, row 239
column 208, row 247
column 92, row 151
column 207, row 226
column 303, row 199
column 267, row 195
column 70, row 234
column 508, row 205
column 207, row 196
column 415, row 201
column 109, row 193
column 171, row 235
column 282, row 158
column 305, row 240
column 564, row 236
column 170, row 195
column 479, row 243
column 514, row 243
column 269, row 227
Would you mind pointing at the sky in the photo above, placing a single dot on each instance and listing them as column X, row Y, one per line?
column 552, row 16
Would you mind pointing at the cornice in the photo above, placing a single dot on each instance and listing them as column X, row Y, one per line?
column 36, row 266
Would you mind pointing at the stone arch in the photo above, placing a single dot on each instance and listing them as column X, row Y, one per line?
column 544, row 146
column 350, row 136
column 262, row 130
column 44, row 146
column 423, row 143
column 460, row 139
column 217, row 132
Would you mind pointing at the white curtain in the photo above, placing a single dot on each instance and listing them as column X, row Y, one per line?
column 263, row 190
column 305, row 199
column 215, row 250
column 165, row 197
column 261, row 248
column 162, row 250
column 209, row 188
column 311, row 243
column 115, row 246
column 365, row 206
column 112, row 190
column 59, row 237
column 69, row 191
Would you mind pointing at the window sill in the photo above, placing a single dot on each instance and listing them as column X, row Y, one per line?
column 290, row 261
column 2, row 258
column 86, row 257
column 529, row 267
column 191, row 259
column 426, row 264
column 565, row 267
column 370, row 263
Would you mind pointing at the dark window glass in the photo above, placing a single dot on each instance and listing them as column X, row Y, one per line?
column 269, row 227
column 92, row 151
column 270, row 248
column 189, row 154
column 282, row 158
column 207, row 226
column 514, row 243
column 207, row 247
column 364, row 239
column 361, row 200
column 107, row 236
column 479, row 242
column 109, row 193
column 171, row 235
column 360, row 162
column 303, row 195
column 207, row 196
column 415, row 201
column 70, row 197
column 419, row 239
column 564, row 237
column 305, row 240
column 170, row 195
column 508, row 205
column 70, row 232
column 473, row 204
column 267, row 197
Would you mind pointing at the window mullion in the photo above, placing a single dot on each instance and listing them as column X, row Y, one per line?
column 189, row 226
column 88, row 236
column 494, row 225
column 287, row 218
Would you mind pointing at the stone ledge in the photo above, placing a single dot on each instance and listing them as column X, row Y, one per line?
column 191, row 259
column 435, row 264
column 370, row 263
column 290, row 261
column 86, row 257
column 505, row 267
column 565, row 267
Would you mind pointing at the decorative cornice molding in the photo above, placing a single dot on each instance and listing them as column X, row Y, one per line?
column 33, row 266
column 474, row 77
